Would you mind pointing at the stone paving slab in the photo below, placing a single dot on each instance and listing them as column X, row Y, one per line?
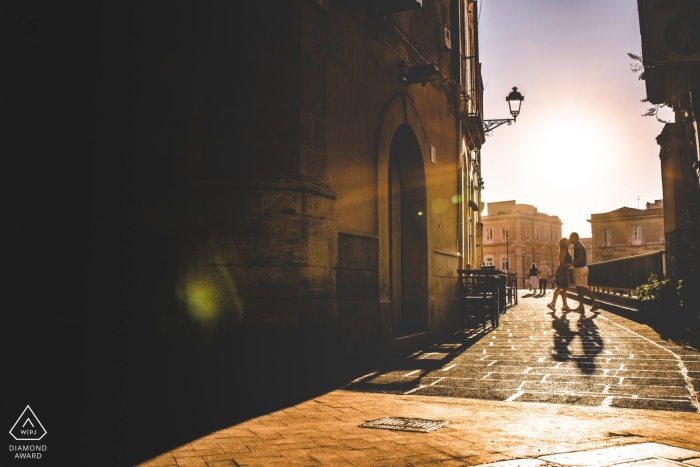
column 650, row 453
column 480, row 432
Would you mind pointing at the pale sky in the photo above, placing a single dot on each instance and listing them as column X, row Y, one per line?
column 580, row 145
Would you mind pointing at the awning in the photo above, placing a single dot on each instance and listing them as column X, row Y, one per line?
column 473, row 205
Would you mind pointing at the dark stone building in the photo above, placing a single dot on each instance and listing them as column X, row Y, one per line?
column 288, row 185
column 306, row 165
column 672, row 76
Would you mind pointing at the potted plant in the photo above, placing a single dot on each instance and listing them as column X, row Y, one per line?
column 659, row 295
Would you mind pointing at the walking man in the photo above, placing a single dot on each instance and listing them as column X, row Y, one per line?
column 543, row 272
column 581, row 274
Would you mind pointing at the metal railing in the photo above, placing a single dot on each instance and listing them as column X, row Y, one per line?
column 627, row 273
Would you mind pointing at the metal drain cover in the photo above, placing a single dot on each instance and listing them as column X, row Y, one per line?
column 420, row 425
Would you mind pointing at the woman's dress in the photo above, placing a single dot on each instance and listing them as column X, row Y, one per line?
column 562, row 276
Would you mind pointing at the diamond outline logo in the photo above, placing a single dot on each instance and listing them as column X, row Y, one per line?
column 30, row 422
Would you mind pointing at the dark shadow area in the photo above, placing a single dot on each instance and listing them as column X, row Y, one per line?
column 451, row 346
column 562, row 337
column 683, row 332
column 682, row 328
column 205, row 383
column 589, row 334
column 46, row 88
column 679, row 329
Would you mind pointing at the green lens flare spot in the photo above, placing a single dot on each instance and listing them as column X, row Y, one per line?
column 201, row 303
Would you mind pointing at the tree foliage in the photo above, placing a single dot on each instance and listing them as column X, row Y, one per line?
column 637, row 66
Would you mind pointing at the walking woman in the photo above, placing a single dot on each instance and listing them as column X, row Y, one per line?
column 562, row 276
column 534, row 278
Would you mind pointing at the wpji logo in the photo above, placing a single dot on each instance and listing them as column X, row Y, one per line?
column 27, row 427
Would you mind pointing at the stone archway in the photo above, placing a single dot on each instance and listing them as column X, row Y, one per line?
column 405, row 239
column 408, row 269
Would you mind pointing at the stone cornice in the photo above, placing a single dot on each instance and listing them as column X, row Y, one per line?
column 627, row 218
column 519, row 216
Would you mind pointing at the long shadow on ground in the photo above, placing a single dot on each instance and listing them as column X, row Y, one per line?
column 174, row 394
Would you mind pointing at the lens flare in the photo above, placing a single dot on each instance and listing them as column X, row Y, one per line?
column 201, row 302
column 211, row 294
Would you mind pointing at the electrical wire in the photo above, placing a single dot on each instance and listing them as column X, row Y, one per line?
column 420, row 52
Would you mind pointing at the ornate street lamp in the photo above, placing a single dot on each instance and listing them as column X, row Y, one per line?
column 515, row 100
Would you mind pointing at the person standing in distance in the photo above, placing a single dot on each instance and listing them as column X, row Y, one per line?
column 581, row 274
column 543, row 273
column 534, row 281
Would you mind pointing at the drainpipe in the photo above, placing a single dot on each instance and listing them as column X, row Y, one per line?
column 462, row 245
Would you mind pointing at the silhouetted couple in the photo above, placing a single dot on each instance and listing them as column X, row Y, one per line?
column 580, row 275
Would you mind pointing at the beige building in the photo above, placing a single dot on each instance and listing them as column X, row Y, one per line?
column 516, row 235
column 628, row 232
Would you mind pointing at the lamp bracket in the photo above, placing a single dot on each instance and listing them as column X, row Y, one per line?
column 492, row 124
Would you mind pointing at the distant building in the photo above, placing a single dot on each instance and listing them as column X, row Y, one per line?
column 532, row 237
column 628, row 232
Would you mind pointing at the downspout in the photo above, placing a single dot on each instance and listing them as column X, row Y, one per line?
column 462, row 247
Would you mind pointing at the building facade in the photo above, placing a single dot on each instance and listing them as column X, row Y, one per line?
column 325, row 175
column 628, row 232
column 517, row 235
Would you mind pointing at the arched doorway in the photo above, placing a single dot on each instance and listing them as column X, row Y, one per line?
column 408, row 271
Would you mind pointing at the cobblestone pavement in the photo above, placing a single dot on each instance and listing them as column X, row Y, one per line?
column 485, row 391
column 536, row 355
column 327, row 431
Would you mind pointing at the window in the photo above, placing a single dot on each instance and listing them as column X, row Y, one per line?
column 489, row 235
column 607, row 240
column 554, row 235
column 537, row 234
column 488, row 260
column 527, row 233
column 636, row 235
column 546, row 235
column 528, row 263
column 504, row 262
column 503, row 233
